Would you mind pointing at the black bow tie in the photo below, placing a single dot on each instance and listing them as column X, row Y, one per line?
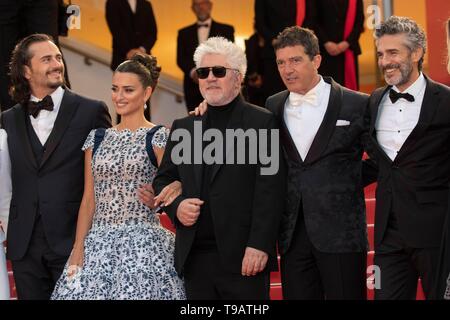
column 202, row 25
column 35, row 107
column 394, row 96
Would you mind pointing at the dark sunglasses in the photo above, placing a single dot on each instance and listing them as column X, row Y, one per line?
column 218, row 72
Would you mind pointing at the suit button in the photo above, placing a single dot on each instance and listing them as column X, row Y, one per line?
column 395, row 167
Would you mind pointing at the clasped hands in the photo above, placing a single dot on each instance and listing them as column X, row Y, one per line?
column 335, row 49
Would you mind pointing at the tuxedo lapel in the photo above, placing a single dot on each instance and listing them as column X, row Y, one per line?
column 374, row 109
column 428, row 109
column 213, row 31
column 69, row 105
column 20, row 115
column 127, row 7
column 193, row 38
column 378, row 96
column 328, row 124
column 286, row 138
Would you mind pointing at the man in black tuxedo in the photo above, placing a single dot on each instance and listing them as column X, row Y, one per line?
column 228, row 214
column 188, row 40
column 133, row 28
column 272, row 17
column 323, row 241
column 410, row 134
column 18, row 19
column 46, row 131
column 332, row 19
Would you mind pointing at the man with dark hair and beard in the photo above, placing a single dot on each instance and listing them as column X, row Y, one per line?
column 410, row 135
column 46, row 131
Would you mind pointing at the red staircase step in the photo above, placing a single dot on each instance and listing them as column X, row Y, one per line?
column 165, row 221
column 12, row 286
column 370, row 236
column 276, row 292
column 370, row 211
column 369, row 191
column 275, row 277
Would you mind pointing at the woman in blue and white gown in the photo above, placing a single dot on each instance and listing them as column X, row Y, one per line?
column 121, row 250
column 5, row 199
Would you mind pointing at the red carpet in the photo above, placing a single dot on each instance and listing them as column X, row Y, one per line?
column 275, row 281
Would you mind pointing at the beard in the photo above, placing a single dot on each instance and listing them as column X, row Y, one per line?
column 405, row 70
column 53, row 84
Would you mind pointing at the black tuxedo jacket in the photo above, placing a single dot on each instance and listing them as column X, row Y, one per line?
column 245, row 205
column 187, row 42
column 273, row 16
column 54, row 187
column 327, row 185
column 130, row 30
column 415, row 185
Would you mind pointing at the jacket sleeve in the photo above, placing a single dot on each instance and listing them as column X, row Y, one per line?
column 151, row 28
column 168, row 173
column 269, row 196
column 185, row 59
column 103, row 118
column 358, row 27
column 261, row 21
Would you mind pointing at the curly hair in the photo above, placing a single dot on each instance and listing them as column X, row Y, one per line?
column 20, row 90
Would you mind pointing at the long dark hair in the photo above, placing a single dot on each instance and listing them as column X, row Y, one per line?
column 145, row 67
column 21, row 56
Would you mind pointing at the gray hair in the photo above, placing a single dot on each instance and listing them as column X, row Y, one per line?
column 234, row 55
column 415, row 35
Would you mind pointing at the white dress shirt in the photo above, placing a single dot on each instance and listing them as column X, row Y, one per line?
column 203, row 32
column 132, row 4
column 303, row 120
column 43, row 123
column 395, row 121
column 5, row 199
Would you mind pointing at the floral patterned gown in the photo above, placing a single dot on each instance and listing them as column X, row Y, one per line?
column 128, row 254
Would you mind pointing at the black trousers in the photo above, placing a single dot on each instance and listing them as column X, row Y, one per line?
column 401, row 266
column 206, row 279
column 308, row 274
column 36, row 273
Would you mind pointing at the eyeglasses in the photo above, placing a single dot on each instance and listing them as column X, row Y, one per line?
column 218, row 71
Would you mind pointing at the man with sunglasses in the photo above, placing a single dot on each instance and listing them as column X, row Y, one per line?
column 228, row 214
column 188, row 40
column 322, row 239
